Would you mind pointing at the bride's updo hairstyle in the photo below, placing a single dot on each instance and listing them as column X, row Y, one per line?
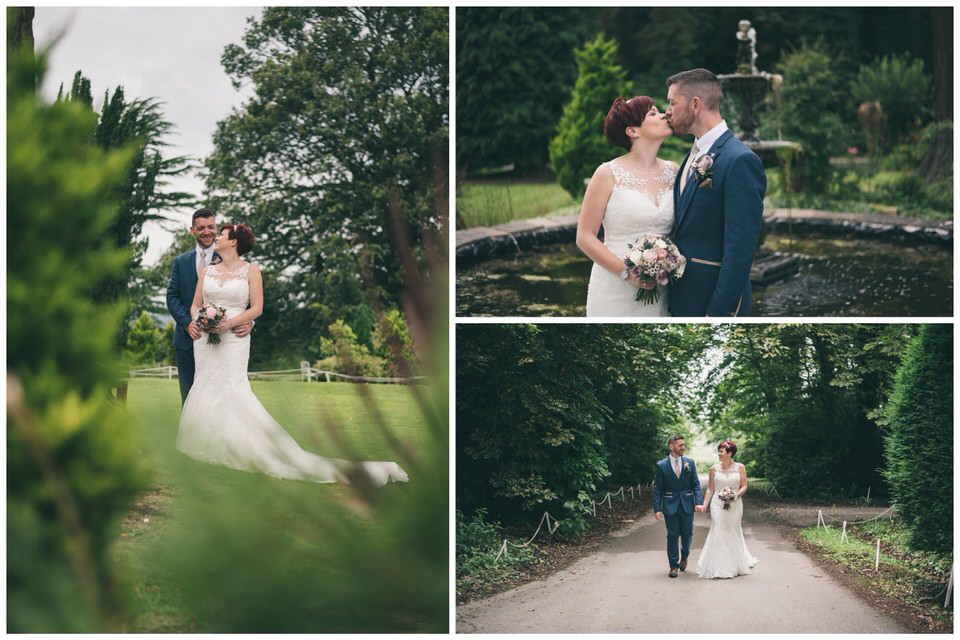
column 625, row 113
column 730, row 446
column 242, row 234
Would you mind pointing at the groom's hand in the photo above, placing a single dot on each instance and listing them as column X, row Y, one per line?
column 659, row 515
column 242, row 330
column 700, row 508
column 194, row 331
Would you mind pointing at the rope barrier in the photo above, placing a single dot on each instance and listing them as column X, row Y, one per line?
column 877, row 517
column 551, row 528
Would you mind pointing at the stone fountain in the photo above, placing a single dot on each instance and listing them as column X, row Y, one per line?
column 745, row 90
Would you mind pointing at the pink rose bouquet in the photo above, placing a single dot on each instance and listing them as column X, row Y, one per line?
column 654, row 259
column 208, row 317
column 728, row 495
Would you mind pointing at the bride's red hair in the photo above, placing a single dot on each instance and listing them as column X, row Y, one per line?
column 242, row 234
column 625, row 113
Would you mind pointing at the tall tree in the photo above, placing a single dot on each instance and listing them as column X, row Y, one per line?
column 145, row 193
column 515, row 66
column 349, row 118
column 938, row 160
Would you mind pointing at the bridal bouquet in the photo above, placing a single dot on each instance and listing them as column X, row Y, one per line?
column 208, row 317
column 728, row 495
column 654, row 259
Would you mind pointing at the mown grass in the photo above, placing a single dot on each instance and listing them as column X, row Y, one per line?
column 490, row 203
column 158, row 540
column 915, row 580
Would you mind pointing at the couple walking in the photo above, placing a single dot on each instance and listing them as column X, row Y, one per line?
column 713, row 212
column 677, row 496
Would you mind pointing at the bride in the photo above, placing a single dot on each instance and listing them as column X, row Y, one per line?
column 725, row 553
column 222, row 421
column 630, row 196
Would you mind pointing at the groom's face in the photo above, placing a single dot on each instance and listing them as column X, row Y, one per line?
column 204, row 230
column 678, row 447
column 679, row 113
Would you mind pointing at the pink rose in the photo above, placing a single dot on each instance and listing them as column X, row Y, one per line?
column 650, row 255
column 662, row 253
column 662, row 280
column 211, row 313
column 705, row 163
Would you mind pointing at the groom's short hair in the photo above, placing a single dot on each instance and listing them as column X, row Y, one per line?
column 673, row 439
column 699, row 82
column 202, row 213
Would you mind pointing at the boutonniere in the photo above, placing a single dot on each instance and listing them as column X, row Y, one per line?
column 686, row 466
column 703, row 171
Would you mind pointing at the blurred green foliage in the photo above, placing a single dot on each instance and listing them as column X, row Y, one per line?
column 72, row 462
column 146, row 342
column 918, row 446
column 580, row 146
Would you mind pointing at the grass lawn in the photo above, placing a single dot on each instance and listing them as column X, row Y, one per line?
column 213, row 549
column 489, row 203
column 911, row 583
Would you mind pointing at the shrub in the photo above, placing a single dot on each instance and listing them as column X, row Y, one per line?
column 902, row 89
column 580, row 146
column 813, row 95
column 919, row 442
column 478, row 543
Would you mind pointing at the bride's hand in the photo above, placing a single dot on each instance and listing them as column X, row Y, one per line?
column 640, row 284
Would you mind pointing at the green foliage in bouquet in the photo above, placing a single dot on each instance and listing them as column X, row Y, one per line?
column 580, row 146
column 72, row 465
column 918, row 445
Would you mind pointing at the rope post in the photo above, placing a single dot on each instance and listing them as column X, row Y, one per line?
column 623, row 495
column 503, row 550
column 820, row 519
column 631, row 493
column 594, row 504
column 876, row 565
column 868, row 494
column 946, row 601
column 843, row 534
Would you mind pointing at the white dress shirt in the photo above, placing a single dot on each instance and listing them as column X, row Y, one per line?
column 704, row 142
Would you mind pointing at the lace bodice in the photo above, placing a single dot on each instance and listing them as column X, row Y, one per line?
column 723, row 479
column 638, row 205
column 228, row 289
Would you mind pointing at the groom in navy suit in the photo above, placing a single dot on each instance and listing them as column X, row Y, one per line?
column 718, row 202
column 676, row 497
column 180, row 292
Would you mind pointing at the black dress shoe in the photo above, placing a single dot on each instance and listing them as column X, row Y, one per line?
column 683, row 565
column 673, row 572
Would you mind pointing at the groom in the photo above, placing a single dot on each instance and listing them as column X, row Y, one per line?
column 676, row 496
column 718, row 201
column 180, row 292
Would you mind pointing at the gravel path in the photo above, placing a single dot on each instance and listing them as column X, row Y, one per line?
column 624, row 587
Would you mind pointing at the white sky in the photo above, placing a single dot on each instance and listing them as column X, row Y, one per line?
column 168, row 53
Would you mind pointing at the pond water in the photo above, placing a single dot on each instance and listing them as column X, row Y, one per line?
column 838, row 276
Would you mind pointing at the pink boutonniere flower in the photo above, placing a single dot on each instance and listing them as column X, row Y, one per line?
column 686, row 466
column 703, row 171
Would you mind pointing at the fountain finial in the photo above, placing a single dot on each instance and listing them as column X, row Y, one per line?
column 746, row 49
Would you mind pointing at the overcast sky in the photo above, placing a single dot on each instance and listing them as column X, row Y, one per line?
column 168, row 53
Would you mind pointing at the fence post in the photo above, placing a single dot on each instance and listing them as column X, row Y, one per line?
column 946, row 602
column 876, row 566
column 868, row 495
column 843, row 534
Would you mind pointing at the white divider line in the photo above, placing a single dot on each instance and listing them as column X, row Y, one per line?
column 946, row 601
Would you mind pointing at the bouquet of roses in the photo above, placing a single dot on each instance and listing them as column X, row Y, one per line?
column 728, row 495
column 208, row 317
column 655, row 260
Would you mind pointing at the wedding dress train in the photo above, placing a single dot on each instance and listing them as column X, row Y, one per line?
column 223, row 422
column 635, row 208
column 725, row 553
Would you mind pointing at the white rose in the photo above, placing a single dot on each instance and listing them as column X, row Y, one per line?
column 636, row 257
column 660, row 244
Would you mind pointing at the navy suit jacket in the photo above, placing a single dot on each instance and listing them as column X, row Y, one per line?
column 717, row 228
column 180, row 291
column 671, row 493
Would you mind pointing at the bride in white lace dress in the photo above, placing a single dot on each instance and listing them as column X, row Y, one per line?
column 725, row 553
column 629, row 196
column 222, row 421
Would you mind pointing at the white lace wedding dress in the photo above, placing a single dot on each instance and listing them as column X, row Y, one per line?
column 725, row 553
column 223, row 422
column 637, row 206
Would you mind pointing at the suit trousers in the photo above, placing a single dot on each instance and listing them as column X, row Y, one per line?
column 186, row 368
column 679, row 529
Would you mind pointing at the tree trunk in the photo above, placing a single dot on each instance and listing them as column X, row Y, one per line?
column 938, row 160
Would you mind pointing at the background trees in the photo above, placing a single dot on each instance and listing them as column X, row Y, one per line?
column 349, row 118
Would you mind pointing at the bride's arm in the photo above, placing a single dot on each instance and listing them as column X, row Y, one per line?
column 743, row 481
column 710, row 489
column 255, row 279
column 591, row 217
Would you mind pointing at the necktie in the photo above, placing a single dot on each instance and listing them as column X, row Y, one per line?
column 688, row 170
column 676, row 466
column 203, row 260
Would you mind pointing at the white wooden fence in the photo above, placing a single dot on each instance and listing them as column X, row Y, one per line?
column 305, row 373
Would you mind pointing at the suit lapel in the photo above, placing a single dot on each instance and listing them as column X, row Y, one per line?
column 686, row 198
column 677, row 194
